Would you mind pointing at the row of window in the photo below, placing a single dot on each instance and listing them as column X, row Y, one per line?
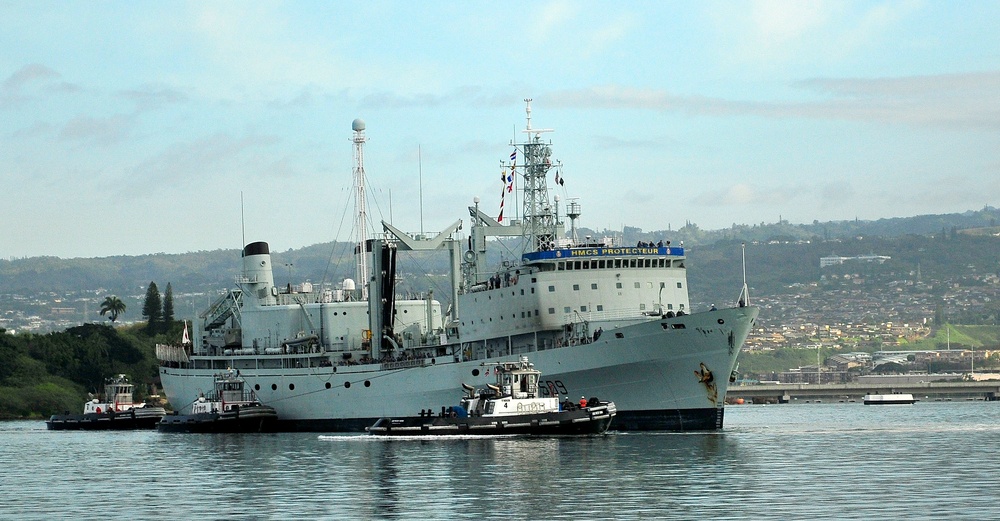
column 600, row 264
column 583, row 309
column 618, row 285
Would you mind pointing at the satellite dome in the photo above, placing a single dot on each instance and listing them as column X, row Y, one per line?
column 358, row 125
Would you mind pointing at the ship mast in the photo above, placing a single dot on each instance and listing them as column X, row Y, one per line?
column 359, row 205
column 539, row 219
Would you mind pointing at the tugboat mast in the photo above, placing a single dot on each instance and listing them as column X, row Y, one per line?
column 359, row 206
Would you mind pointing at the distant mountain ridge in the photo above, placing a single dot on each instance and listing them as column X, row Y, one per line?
column 331, row 262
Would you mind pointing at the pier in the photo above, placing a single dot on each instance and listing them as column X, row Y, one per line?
column 988, row 390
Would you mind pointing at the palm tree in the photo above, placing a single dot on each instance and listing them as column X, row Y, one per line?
column 113, row 306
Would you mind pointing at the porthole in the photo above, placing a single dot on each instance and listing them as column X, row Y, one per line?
column 475, row 372
column 720, row 321
column 367, row 383
column 328, row 385
column 256, row 387
column 291, row 387
column 347, row 385
column 274, row 387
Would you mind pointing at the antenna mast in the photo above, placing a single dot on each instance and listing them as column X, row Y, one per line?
column 745, row 294
column 359, row 205
column 539, row 219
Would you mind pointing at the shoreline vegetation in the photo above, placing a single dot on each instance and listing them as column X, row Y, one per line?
column 45, row 374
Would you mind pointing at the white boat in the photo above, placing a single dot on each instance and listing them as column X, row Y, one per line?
column 889, row 399
column 596, row 317
column 513, row 405
column 117, row 411
column 229, row 408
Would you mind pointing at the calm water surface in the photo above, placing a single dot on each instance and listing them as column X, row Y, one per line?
column 819, row 461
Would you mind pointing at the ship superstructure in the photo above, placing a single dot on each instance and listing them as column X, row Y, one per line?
column 596, row 317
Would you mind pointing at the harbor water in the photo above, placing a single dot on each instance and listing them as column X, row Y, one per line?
column 932, row 460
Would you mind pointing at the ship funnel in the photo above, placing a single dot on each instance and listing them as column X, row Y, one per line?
column 258, row 279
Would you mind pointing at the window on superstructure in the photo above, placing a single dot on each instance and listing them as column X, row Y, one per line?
column 593, row 286
column 600, row 264
column 569, row 265
column 593, row 264
column 576, row 287
column 618, row 285
column 578, row 265
column 642, row 307
column 678, row 285
column 566, row 309
column 552, row 311
column 583, row 308
column 637, row 286
column 552, row 289
column 618, row 263
column 600, row 307
column 560, row 266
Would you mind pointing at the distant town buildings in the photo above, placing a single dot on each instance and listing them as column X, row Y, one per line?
column 833, row 261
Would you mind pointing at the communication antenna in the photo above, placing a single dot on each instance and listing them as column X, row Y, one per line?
column 420, row 172
column 243, row 222
column 746, row 289
column 358, row 126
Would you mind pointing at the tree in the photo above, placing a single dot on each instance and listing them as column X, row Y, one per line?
column 168, row 306
column 113, row 306
column 152, row 309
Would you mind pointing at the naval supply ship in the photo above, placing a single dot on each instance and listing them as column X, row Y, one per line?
column 596, row 317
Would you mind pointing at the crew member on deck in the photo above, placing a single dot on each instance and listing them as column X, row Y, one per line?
column 583, row 402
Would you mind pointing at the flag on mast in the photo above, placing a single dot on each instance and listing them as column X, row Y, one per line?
column 508, row 183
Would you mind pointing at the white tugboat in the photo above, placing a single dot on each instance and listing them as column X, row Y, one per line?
column 117, row 411
column 596, row 317
column 229, row 408
column 513, row 405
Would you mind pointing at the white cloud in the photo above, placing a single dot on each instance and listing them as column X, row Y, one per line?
column 959, row 101
column 101, row 131
column 551, row 19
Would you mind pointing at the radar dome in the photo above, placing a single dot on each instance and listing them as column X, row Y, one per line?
column 358, row 125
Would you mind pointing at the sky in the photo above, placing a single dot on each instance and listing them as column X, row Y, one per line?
column 141, row 127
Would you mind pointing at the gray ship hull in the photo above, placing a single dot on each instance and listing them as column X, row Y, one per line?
column 664, row 374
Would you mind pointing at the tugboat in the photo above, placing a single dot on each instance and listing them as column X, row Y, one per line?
column 116, row 412
column 513, row 405
column 229, row 408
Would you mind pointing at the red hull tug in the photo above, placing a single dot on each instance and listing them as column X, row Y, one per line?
column 511, row 406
